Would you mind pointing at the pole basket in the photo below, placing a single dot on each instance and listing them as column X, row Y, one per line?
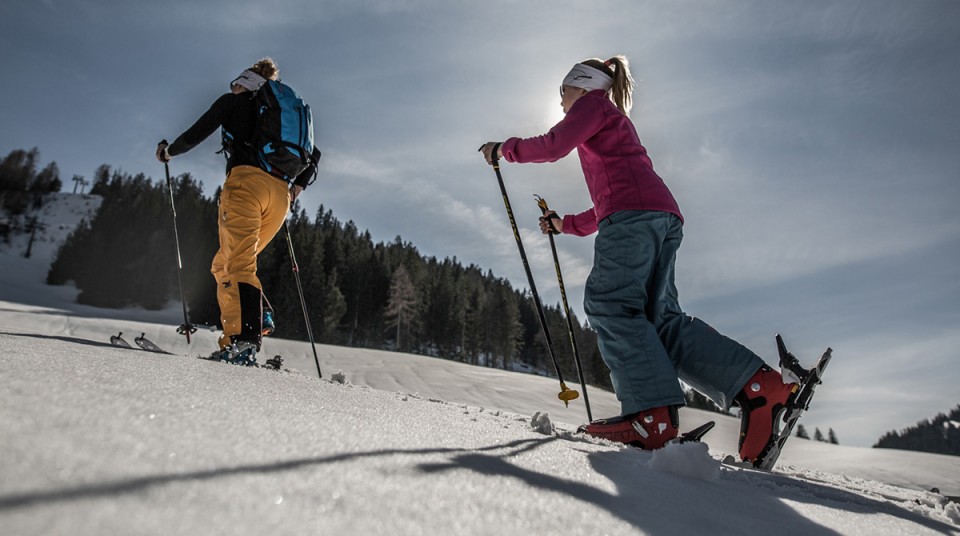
column 567, row 394
column 187, row 330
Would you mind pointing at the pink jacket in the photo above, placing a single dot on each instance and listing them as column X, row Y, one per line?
column 618, row 172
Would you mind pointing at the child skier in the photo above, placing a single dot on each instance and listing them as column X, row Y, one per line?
column 253, row 206
column 630, row 298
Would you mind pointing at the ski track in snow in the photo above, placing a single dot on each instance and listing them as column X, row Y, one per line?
column 104, row 440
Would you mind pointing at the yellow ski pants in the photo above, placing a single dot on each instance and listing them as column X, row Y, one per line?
column 253, row 207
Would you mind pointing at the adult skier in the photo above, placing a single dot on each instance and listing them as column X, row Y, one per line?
column 253, row 206
column 630, row 298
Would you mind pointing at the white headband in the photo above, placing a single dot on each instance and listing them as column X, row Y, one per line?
column 249, row 80
column 587, row 77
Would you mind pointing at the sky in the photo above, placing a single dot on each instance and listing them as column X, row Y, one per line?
column 811, row 147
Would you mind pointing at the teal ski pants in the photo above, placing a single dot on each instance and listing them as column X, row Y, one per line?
column 645, row 339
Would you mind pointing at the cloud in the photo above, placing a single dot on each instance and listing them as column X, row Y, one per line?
column 812, row 147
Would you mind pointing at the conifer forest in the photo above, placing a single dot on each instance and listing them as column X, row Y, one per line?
column 359, row 292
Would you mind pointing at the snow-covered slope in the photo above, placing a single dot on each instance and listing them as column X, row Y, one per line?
column 20, row 277
column 524, row 394
column 102, row 440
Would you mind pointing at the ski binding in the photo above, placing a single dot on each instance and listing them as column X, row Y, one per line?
column 807, row 381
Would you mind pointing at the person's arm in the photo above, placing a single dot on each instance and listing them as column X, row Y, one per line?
column 582, row 224
column 584, row 119
column 306, row 177
column 209, row 122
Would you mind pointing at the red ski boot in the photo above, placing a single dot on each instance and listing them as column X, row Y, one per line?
column 762, row 401
column 649, row 429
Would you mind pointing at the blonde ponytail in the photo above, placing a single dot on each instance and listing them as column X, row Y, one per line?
column 619, row 70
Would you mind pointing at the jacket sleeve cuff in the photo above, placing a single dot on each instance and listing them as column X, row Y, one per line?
column 509, row 149
column 582, row 224
column 178, row 147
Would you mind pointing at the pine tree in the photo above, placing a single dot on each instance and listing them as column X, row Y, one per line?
column 802, row 432
column 817, row 435
column 333, row 305
column 832, row 437
column 127, row 255
column 939, row 436
column 503, row 317
column 355, row 292
column 18, row 171
column 402, row 303
column 47, row 181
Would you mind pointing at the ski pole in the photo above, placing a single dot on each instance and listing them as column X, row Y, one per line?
column 303, row 302
column 566, row 394
column 542, row 203
column 186, row 328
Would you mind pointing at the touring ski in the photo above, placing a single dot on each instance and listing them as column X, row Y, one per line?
column 142, row 343
column 807, row 381
column 694, row 435
column 118, row 340
column 147, row 345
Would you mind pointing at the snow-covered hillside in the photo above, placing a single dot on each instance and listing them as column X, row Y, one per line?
column 103, row 440
column 59, row 215
column 20, row 277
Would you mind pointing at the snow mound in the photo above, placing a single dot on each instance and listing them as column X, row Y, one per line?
column 691, row 460
column 540, row 422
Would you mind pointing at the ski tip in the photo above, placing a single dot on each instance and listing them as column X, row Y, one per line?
column 703, row 428
column 696, row 434
column 781, row 346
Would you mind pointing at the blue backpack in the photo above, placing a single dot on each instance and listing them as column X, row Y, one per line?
column 283, row 139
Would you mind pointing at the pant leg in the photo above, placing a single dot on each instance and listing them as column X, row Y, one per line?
column 275, row 212
column 711, row 363
column 226, row 298
column 252, row 301
column 253, row 205
column 616, row 296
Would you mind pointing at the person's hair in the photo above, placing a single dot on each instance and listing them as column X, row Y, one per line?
column 267, row 69
column 618, row 68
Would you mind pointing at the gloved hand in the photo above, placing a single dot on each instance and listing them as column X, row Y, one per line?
column 295, row 191
column 162, row 154
column 551, row 223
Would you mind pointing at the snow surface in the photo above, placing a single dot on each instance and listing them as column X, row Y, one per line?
column 103, row 440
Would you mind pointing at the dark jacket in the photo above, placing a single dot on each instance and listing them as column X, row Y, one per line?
column 236, row 114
